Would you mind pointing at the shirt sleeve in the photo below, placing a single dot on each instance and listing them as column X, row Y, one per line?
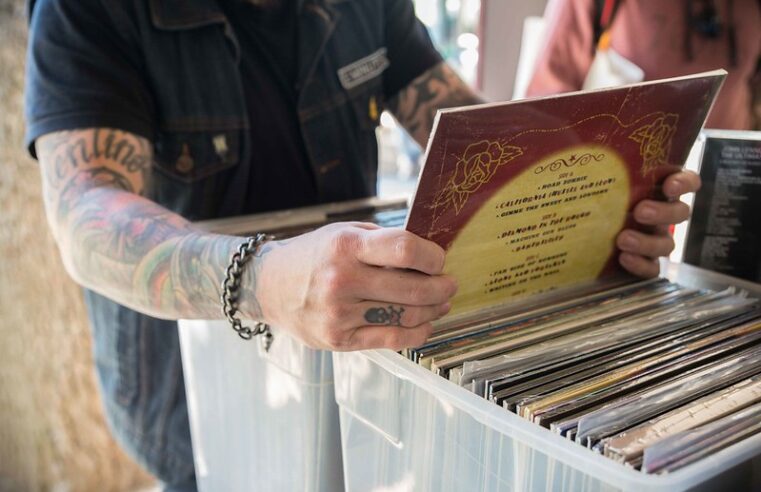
column 81, row 72
column 409, row 47
column 567, row 54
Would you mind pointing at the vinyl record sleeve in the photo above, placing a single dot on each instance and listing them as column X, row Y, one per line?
column 724, row 233
column 631, row 444
column 688, row 446
column 664, row 397
column 611, row 335
column 528, row 196
column 656, row 370
column 565, row 325
column 603, row 364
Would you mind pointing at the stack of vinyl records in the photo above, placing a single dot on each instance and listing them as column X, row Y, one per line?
column 653, row 375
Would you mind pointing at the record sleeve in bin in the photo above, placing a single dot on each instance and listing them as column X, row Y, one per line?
column 527, row 198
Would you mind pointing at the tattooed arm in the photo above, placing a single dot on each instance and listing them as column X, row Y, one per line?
column 440, row 87
column 342, row 287
column 118, row 243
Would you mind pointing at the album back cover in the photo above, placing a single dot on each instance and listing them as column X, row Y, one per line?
column 528, row 196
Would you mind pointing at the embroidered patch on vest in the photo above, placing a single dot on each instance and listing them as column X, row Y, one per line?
column 363, row 69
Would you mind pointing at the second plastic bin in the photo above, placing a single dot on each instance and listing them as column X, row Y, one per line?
column 259, row 420
column 405, row 429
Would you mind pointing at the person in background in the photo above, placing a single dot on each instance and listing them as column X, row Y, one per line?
column 146, row 115
column 665, row 39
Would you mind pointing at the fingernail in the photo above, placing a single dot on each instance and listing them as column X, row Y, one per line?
column 629, row 242
column 445, row 308
column 647, row 212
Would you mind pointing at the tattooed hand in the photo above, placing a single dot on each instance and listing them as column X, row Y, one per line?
column 354, row 286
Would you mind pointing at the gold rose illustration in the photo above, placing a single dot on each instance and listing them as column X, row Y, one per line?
column 655, row 141
column 477, row 165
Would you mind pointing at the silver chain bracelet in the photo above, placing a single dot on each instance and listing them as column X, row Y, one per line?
column 231, row 291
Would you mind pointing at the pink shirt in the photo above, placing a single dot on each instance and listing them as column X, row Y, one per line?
column 650, row 33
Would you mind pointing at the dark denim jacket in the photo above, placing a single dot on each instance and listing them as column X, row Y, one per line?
column 200, row 133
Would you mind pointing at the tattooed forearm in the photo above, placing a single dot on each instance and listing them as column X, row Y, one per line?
column 416, row 105
column 126, row 246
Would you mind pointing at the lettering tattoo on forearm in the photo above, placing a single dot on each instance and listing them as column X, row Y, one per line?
column 72, row 150
column 127, row 246
column 385, row 315
column 440, row 87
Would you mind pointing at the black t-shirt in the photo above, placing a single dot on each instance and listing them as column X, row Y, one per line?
column 268, row 40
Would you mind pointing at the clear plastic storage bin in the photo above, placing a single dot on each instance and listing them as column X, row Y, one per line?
column 405, row 429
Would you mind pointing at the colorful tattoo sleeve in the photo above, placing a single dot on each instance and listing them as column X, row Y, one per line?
column 118, row 243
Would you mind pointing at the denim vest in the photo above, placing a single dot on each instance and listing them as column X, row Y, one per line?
column 201, row 138
column 205, row 108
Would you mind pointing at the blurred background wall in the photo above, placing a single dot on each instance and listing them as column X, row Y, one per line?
column 53, row 435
